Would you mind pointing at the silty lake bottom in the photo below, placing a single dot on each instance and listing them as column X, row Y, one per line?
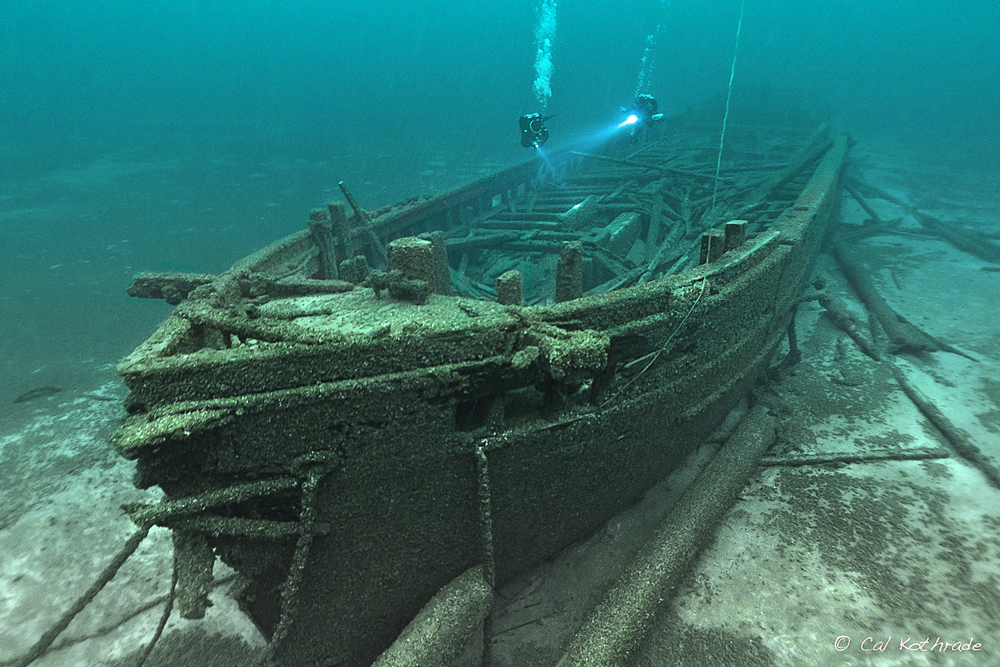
column 853, row 560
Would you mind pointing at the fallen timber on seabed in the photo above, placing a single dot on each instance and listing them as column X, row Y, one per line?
column 366, row 410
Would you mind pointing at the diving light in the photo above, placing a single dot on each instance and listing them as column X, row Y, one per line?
column 631, row 119
column 641, row 114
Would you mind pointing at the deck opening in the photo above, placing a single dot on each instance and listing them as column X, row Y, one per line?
column 473, row 413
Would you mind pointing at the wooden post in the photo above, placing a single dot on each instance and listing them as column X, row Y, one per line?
column 342, row 245
column 569, row 272
column 736, row 234
column 414, row 257
column 509, row 288
column 442, row 275
column 322, row 232
column 712, row 246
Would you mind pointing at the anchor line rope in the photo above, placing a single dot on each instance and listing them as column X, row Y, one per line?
column 145, row 518
column 107, row 575
column 163, row 617
column 729, row 96
column 114, row 624
column 656, row 355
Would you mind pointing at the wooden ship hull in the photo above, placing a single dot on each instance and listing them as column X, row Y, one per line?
column 349, row 444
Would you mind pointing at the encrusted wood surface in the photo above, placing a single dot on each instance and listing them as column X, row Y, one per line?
column 579, row 406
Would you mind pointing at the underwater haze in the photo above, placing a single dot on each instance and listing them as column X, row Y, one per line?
column 853, row 491
column 184, row 134
column 331, row 76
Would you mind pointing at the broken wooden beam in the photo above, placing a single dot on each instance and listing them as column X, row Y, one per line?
column 848, row 458
column 841, row 317
column 581, row 215
column 967, row 240
column 621, row 234
column 358, row 211
column 171, row 286
column 958, row 439
column 863, row 203
column 904, row 336
column 653, row 232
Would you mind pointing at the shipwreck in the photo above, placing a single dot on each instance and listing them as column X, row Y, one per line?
column 456, row 387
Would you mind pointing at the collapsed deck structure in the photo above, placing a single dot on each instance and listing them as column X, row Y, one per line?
column 361, row 412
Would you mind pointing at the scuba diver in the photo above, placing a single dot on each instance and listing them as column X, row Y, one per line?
column 641, row 115
column 533, row 130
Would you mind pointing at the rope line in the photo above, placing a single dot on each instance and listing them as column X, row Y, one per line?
column 729, row 96
column 107, row 575
column 163, row 617
column 656, row 355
